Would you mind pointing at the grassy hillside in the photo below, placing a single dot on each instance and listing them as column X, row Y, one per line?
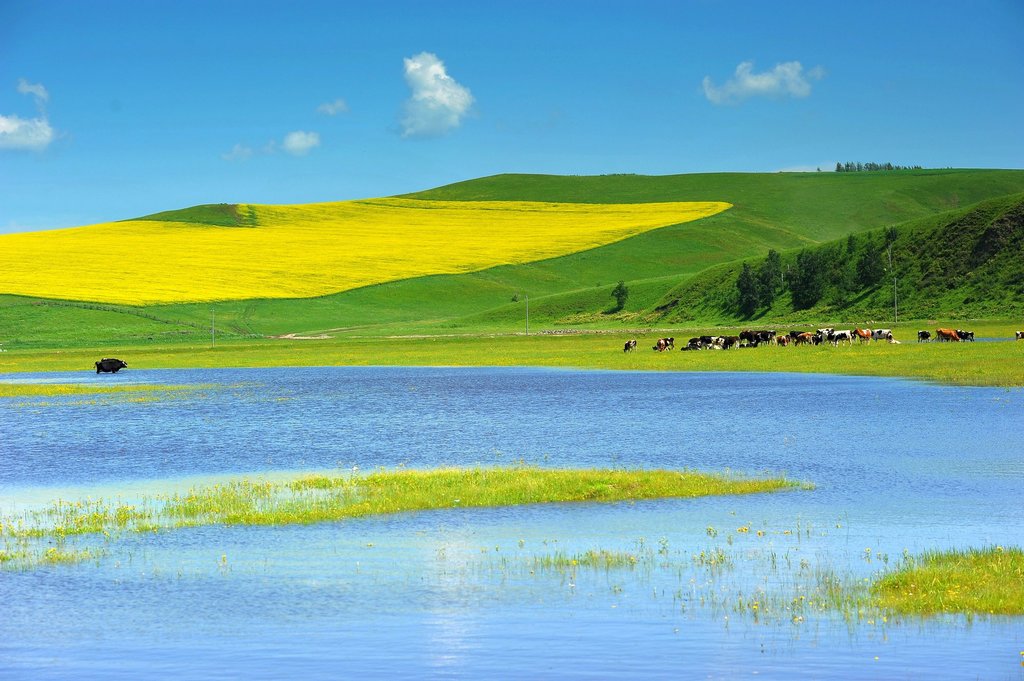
column 781, row 211
column 966, row 263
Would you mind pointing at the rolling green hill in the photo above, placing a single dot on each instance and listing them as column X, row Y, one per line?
column 965, row 263
column 782, row 211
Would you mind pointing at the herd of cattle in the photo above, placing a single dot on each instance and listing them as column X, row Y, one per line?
column 751, row 338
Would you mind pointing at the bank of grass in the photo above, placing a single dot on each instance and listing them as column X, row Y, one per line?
column 320, row 498
column 337, row 497
column 28, row 390
column 977, row 364
column 986, row 581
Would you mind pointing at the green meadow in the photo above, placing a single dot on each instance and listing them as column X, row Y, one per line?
column 980, row 363
column 783, row 211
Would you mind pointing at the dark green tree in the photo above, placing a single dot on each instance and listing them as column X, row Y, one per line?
column 870, row 267
column 807, row 283
column 769, row 278
column 621, row 294
column 891, row 234
column 748, row 289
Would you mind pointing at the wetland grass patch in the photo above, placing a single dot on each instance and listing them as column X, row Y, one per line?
column 973, row 581
column 37, row 394
column 335, row 497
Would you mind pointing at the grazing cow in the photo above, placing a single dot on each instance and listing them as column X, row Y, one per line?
column 767, row 336
column 1020, row 335
column 693, row 344
column 881, row 334
column 749, row 336
column 661, row 346
column 630, row 346
column 923, row 336
column 862, row 335
column 730, row 342
column 946, row 335
column 782, row 340
column 965, row 335
column 844, row 336
column 805, row 338
column 110, row 365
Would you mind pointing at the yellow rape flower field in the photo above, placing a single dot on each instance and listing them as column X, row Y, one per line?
column 314, row 249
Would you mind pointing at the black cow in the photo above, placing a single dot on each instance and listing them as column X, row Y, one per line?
column 923, row 336
column 965, row 335
column 629, row 346
column 110, row 365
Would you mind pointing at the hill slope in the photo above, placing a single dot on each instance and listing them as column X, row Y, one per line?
column 785, row 212
column 967, row 263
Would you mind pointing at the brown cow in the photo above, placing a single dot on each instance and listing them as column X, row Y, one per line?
column 805, row 338
column 863, row 335
column 946, row 335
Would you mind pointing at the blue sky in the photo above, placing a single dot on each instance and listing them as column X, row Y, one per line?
column 112, row 110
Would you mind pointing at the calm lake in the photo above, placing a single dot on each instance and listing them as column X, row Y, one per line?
column 898, row 466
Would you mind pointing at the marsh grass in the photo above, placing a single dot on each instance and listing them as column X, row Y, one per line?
column 35, row 393
column 326, row 498
column 594, row 558
column 25, row 555
column 972, row 581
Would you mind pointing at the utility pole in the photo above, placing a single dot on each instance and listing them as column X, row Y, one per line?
column 895, row 302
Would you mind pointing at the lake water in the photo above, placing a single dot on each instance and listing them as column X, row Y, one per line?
column 898, row 466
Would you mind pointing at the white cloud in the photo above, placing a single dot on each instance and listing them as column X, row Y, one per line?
column 34, row 134
column 787, row 79
column 333, row 108
column 299, row 143
column 37, row 90
column 438, row 103
column 239, row 152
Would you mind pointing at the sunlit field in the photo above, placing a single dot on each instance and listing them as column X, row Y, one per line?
column 315, row 249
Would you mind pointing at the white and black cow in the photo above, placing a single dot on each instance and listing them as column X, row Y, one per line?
column 837, row 337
